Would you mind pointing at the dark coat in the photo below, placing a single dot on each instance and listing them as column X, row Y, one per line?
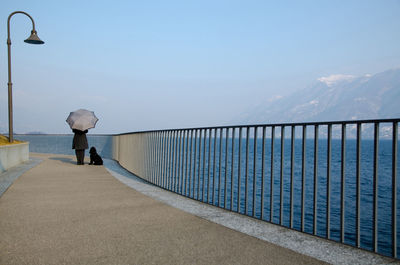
column 80, row 141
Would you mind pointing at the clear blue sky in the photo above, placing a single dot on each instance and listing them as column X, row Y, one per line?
column 172, row 64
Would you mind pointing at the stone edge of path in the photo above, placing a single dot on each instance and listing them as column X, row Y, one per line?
column 8, row 177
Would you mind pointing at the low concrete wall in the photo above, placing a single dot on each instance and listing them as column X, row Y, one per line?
column 12, row 155
column 115, row 148
column 127, row 150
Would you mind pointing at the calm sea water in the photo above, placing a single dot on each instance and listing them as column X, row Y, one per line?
column 206, row 167
column 61, row 144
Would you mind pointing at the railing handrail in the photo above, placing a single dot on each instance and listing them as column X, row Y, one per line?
column 261, row 125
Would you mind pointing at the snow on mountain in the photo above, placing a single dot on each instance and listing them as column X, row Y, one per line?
column 334, row 79
column 333, row 98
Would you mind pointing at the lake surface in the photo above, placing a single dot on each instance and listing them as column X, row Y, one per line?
column 220, row 190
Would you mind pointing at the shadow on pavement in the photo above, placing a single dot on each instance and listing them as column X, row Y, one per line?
column 64, row 159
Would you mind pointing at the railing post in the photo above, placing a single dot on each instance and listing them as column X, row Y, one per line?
column 199, row 169
column 375, row 190
column 247, row 170
column 315, row 216
column 328, row 182
column 170, row 159
column 204, row 164
column 263, row 173
column 358, row 184
column 161, row 158
column 232, row 166
column 214, row 166
column 186, row 162
column 220, row 164
column 180, row 161
column 293, row 135
column 343, row 184
column 190, row 163
column 194, row 163
column 394, row 189
column 254, row 171
column 239, row 169
column 209, row 165
column 303, row 177
column 226, row 165
column 281, row 172
column 271, row 204
column 166, row 162
column 176, row 160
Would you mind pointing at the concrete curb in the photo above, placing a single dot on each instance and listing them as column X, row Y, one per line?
column 8, row 177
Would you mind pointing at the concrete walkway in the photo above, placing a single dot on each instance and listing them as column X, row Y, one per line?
column 61, row 213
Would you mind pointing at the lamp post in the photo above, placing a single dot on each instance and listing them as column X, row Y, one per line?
column 33, row 39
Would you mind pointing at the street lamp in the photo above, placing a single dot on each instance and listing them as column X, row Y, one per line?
column 33, row 39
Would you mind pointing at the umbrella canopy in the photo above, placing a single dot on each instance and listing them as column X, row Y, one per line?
column 82, row 119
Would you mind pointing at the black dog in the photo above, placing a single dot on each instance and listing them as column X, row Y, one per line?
column 95, row 159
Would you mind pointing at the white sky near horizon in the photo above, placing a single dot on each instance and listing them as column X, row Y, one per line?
column 143, row 65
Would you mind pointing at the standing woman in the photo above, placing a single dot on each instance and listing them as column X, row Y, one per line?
column 80, row 143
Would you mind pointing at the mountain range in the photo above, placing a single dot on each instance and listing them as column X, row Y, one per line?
column 334, row 98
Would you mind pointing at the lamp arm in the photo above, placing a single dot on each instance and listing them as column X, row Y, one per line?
column 8, row 23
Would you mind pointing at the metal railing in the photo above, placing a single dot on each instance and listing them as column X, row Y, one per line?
column 336, row 180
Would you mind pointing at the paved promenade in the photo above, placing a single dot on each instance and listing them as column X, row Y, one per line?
column 61, row 213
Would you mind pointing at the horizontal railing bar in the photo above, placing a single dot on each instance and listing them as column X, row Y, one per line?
column 271, row 125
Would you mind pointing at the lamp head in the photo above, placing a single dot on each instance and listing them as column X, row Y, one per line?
column 34, row 39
